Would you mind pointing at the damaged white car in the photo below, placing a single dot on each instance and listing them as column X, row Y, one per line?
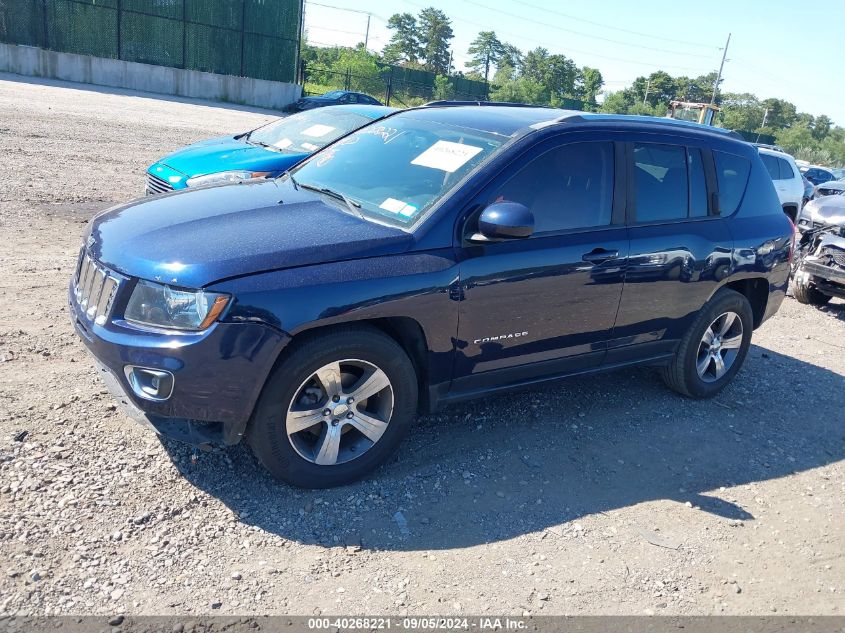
column 819, row 264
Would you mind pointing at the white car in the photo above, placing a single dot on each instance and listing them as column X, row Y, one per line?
column 787, row 179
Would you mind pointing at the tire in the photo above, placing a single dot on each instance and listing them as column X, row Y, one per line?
column 682, row 374
column 808, row 294
column 293, row 458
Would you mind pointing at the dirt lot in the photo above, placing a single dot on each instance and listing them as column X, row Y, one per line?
column 607, row 495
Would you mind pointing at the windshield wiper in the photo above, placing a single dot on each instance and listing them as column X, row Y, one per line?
column 353, row 206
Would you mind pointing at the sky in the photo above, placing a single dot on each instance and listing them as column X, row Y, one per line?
column 776, row 49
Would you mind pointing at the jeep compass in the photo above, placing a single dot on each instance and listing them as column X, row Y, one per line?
column 439, row 254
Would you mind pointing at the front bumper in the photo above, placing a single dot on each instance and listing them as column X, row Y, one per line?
column 218, row 373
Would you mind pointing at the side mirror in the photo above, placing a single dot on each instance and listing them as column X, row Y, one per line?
column 504, row 221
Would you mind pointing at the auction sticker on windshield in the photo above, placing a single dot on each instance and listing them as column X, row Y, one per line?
column 317, row 130
column 285, row 142
column 397, row 206
column 446, row 156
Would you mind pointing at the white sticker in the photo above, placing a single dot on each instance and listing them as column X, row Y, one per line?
column 397, row 206
column 310, row 146
column 446, row 156
column 318, row 130
column 285, row 142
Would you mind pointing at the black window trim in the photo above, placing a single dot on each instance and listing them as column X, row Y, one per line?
column 710, row 181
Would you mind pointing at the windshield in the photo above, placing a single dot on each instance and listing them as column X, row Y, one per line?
column 307, row 131
column 334, row 94
column 397, row 170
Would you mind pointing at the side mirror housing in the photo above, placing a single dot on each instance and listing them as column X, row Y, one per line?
column 504, row 221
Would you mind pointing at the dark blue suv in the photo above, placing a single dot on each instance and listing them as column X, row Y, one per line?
column 443, row 253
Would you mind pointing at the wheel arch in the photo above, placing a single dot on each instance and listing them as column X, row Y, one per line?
column 756, row 290
column 405, row 331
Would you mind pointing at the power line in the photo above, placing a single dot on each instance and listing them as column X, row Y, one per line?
column 613, row 28
column 536, row 42
column 331, row 6
column 594, row 37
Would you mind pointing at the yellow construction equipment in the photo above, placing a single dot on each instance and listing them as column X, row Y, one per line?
column 704, row 113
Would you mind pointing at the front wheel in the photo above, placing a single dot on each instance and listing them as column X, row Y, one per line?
column 808, row 294
column 714, row 348
column 335, row 408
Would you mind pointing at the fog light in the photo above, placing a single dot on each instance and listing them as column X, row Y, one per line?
column 149, row 384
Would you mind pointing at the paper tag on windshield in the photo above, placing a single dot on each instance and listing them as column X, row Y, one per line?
column 446, row 156
column 317, row 130
column 285, row 142
column 309, row 146
column 397, row 206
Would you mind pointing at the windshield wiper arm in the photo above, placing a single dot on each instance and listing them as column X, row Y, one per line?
column 351, row 204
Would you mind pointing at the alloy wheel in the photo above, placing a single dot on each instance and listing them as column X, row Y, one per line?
column 719, row 347
column 339, row 412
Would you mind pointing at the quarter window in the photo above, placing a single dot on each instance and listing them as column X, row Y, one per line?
column 569, row 187
column 732, row 176
column 786, row 171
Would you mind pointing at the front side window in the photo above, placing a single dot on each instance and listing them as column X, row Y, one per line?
column 732, row 177
column 307, row 131
column 396, row 170
column 569, row 187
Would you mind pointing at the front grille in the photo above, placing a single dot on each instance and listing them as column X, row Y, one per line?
column 95, row 289
column 836, row 254
column 157, row 185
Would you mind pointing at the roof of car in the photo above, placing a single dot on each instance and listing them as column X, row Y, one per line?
column 507, row 119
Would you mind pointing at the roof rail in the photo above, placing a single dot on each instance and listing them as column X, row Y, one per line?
column 447, row 103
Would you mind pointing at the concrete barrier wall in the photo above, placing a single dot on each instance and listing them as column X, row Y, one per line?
column 37, row 62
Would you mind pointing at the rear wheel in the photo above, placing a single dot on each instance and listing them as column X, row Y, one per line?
column 714, row 348
column 335, row 408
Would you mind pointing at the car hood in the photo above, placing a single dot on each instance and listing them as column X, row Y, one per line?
column 227, row 153
column 195, row 237
column 826, row 210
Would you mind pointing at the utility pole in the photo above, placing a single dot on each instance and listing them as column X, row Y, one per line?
column 367, row 35
column 647, row 86
column 721, row 66
column 765, row 114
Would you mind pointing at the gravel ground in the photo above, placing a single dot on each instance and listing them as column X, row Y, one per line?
column 607, row 495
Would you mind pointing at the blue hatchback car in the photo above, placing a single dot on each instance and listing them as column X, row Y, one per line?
column 265, row 152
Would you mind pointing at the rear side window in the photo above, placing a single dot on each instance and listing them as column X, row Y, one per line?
column 772, row 166
column 697, row 184
column 661, row 182
column 732, row 176
column 669, row 182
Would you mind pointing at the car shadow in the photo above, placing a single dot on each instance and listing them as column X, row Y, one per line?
column 537, row 460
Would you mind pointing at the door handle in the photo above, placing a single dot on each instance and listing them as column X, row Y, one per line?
column 598, row 255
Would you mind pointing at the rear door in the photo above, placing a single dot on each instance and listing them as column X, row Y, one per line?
column 545, row 304
column 680, row 247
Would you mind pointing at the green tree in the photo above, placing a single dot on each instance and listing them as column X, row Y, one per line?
column 559, row 78
column 510, row 56
column 404, row 45
column 521, row 90
column 588, row 85
column 485, row 51
column 435, row 35
column 535, row 64
column 821, row 127
column 795, row 138
column 615, row 103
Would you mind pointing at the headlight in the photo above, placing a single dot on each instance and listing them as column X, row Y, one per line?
column 161, row 306
column 226, row 176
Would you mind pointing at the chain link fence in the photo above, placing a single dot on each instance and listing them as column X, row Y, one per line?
column 247, row 38
column 394, row 84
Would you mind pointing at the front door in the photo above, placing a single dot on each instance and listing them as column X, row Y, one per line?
column 545, row 304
